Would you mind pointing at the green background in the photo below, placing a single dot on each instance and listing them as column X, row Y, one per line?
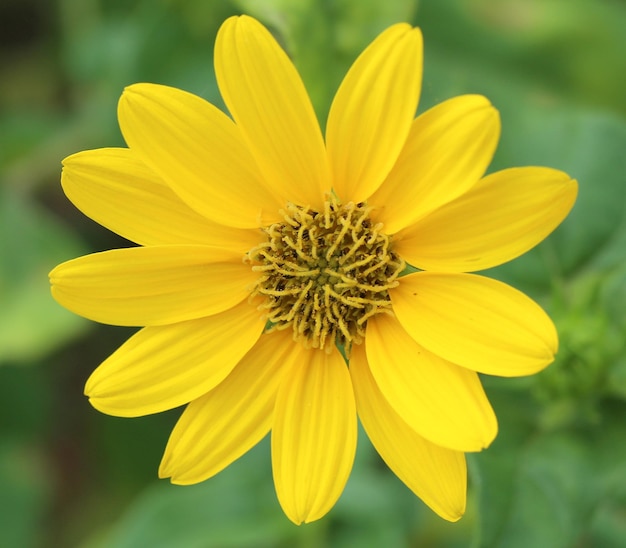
column 555, row 476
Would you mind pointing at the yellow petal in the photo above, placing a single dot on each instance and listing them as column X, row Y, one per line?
column 163, row 367
column 269, row 103
column 436, row 475
column 475, row 322
column 118, row 191
column 447, row 151
column 444, row 403
column 372, row 112
column 504, row 215
column 198, row 152
column 152, row 285
column 220, row 426
column 314, row 434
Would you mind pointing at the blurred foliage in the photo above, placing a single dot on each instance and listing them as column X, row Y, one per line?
column 555, row 476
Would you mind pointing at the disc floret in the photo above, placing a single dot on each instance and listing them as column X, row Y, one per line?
column 325, row 273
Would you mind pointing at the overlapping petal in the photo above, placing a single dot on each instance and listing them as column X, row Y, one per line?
column 475, row 322
column 436, row 475
column 504, row 215
column 156, row 285
column 219, row 427
column 163, row 367
column 118, row 191
column 444, row 403
column 199, row 153
column 447, row 151
column 268, row 101
column 314, row 434
column 372, row 112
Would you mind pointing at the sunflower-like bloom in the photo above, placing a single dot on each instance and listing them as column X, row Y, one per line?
column 290, row 283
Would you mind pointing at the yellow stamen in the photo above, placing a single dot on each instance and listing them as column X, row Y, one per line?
column 325, row 273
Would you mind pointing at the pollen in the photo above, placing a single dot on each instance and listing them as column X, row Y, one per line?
column 325, row 273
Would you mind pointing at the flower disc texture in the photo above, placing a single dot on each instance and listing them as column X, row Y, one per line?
column 290, row 282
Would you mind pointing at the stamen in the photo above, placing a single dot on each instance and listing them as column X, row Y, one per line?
column 324, row 274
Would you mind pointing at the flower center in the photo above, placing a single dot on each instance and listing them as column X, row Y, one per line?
column 324, row 273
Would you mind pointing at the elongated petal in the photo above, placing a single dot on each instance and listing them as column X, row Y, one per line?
column 504, row 215
column 314, row 435
column 436, row 475
column 447, row 152
column 372, row 112
column 444, row 403
column 267, row 99
column 163, row 367
column 220, row 426
column 475, row 322
column 152, row 285
column 117, row 190
column 199, row 153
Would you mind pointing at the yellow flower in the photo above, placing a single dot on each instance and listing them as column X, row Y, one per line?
column 264, row 249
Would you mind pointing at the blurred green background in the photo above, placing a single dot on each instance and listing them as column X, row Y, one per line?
column 556, row 475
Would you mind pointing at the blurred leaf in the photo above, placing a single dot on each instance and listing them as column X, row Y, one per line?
column 608, row 528
column 571, row 49
column 556, row 488
column 534, row 490
column 25, row 490
column 21, row 131
column 236, row 508
column 32, row 242
column 613, row 299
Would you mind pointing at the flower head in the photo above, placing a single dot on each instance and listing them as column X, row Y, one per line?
column 288, row 282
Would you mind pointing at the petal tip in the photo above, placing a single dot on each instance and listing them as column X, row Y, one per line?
column 164, row 471
column 98, row 405
column 134, row 92
column 455, row 514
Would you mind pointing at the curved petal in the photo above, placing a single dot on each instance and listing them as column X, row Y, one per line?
column 198, row 152
column 448, row 150
column 475, row 322
column 444, row 403
column 436, row 475
column 504, row 215
column 114, row 188
column 219, row 427
column 163, row 367
column 314, row 434
column 152, row 285
column 267, row 99
column 371, row 114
